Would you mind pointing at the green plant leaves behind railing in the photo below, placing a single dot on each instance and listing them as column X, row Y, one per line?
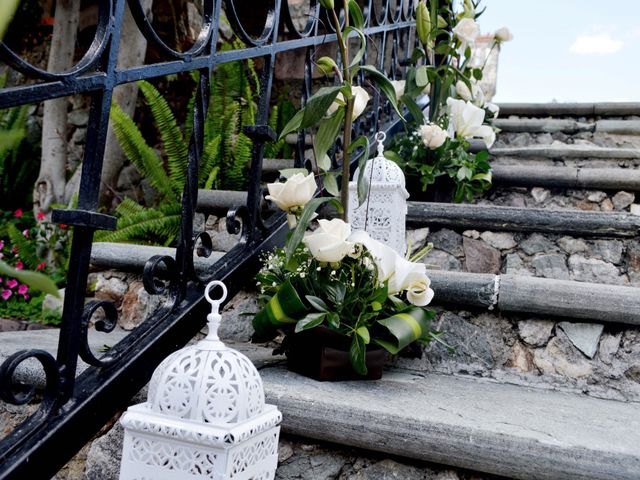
column 284, row 308
column 405, row 328
column 384, row 84
column 313, row 111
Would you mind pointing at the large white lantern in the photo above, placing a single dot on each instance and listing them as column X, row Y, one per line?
column 383, row 214
column 204, row 418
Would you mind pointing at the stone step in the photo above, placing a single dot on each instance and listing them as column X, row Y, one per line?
column 538, row 296
column 132, row 258
column 567, row 177
column 567, row 151
column 543, row 125
column 516, row 219
column 507, row 430
column 600, row 109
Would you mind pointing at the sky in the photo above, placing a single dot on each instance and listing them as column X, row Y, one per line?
column 567, row 50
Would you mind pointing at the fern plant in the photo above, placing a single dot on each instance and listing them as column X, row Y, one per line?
column 225, row 158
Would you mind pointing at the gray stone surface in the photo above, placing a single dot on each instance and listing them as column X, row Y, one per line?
column 535, row 332
column 569, row 109
column 456, row 422
column 514, row 265
column 417, row 239
column 622, row 200
column 537, row 243
column 584, row 336
column 608, row 250
column 593, row 270
column 448, row 241
column 237, row 316
column 551, row 266
column 572, row 245
column 499, row 240
column 105, row 453
column 439, row 260
column 562, row 151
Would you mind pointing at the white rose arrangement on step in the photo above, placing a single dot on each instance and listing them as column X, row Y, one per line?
column 444, row 67
column 330, row 276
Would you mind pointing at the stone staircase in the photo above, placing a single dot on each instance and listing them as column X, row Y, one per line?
column 538, row 290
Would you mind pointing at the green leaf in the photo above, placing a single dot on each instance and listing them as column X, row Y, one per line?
column 362, row 181
column 414, row 109
column 35, row 280
column 357, row 355
column 361, row 51
column 7, row 9
column 334, row 320
column 422, row 79
column 310, row 321
column 317, row 303
column 290, row 172
column 324, row 162
column 331, row 184
column 404, row 328
column 363, row 332
column 313, row 111
column 284, row 308
column 486, row 177
column 376, row 306
column 384, row 84
column 355, row 14
column 326, row 136
column 303, row 222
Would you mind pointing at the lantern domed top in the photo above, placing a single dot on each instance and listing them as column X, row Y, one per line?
column 386, row 173
column 207, row 382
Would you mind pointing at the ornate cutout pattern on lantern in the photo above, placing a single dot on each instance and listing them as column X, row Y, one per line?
column 204, row 418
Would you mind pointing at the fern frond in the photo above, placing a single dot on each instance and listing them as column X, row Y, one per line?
column 148, row 163
column 26, row 249
column 210, row 159
column 128, row 207
column 174, row 144
column 213, row 182
column 162, row 226
column 236, row 176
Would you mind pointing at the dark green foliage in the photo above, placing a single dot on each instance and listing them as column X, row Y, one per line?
column 19, row 161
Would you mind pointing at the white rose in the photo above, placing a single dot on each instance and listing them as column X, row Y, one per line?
column 503, row 35
column 295, row 192
column 464, row 117
column 419, row 293
column 360, row 99
column 412, row 277
column 493, row 108
column 398, row 86
column 329, row 242
column 487, row 134
column 432, row 136
column 383, row 256
column 463, row 91
column 466, row 30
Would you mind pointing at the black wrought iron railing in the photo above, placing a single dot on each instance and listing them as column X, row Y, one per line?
column 74, row 407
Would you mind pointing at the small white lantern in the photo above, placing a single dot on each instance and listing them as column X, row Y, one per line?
column 383, row 214
column 204, row 418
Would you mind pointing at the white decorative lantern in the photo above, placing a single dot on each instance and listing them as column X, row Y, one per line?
column 204, row 418
column 383, row 214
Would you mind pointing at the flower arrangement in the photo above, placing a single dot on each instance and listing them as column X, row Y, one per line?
column 443, row 67
column 334, row 277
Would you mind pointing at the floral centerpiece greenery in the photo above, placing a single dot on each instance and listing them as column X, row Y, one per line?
column 335, row 277
column 443, row 66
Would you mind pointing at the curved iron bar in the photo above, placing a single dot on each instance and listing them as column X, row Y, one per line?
column 107, row 325
column 269, row 27
column 88, row 61
column 312, row 20
column 201, row 43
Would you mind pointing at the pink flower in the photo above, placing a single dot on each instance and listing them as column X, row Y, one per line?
column 25, row 232
column 1, row 244
column 26, row 296
column 6, row 294
column 22, row 289
column 40, row 216
column 18, row 213
column 19, row 266
column 12, row 283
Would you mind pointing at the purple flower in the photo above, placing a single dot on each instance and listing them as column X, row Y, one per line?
column 6, row 294
column 12, row 283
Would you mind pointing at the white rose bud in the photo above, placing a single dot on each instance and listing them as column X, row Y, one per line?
column 463, row 91
column 398, row 86
column 478, row 96
column 419, row 293
column 294, row 193
column 503, row 35
column 412, row 277
column 360, row 99
column 432, row 136
column 329, row 242
column 466, row 30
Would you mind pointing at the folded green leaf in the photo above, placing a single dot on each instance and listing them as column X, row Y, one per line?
column 317, row 303
column 363, row 332
column 285, row 307
column 357, row 355
column 414, row 109
column 355, row 14
column 326, row 136
column 405, row 328
column 331, row 184
column 35, row 280
column 384, row 84
column 311, row 320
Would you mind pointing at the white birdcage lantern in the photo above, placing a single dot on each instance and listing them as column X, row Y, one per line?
column 383, row 214
column 204, row 418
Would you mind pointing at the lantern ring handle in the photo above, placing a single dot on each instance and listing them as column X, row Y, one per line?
column 381, row 137
column 211, row 285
